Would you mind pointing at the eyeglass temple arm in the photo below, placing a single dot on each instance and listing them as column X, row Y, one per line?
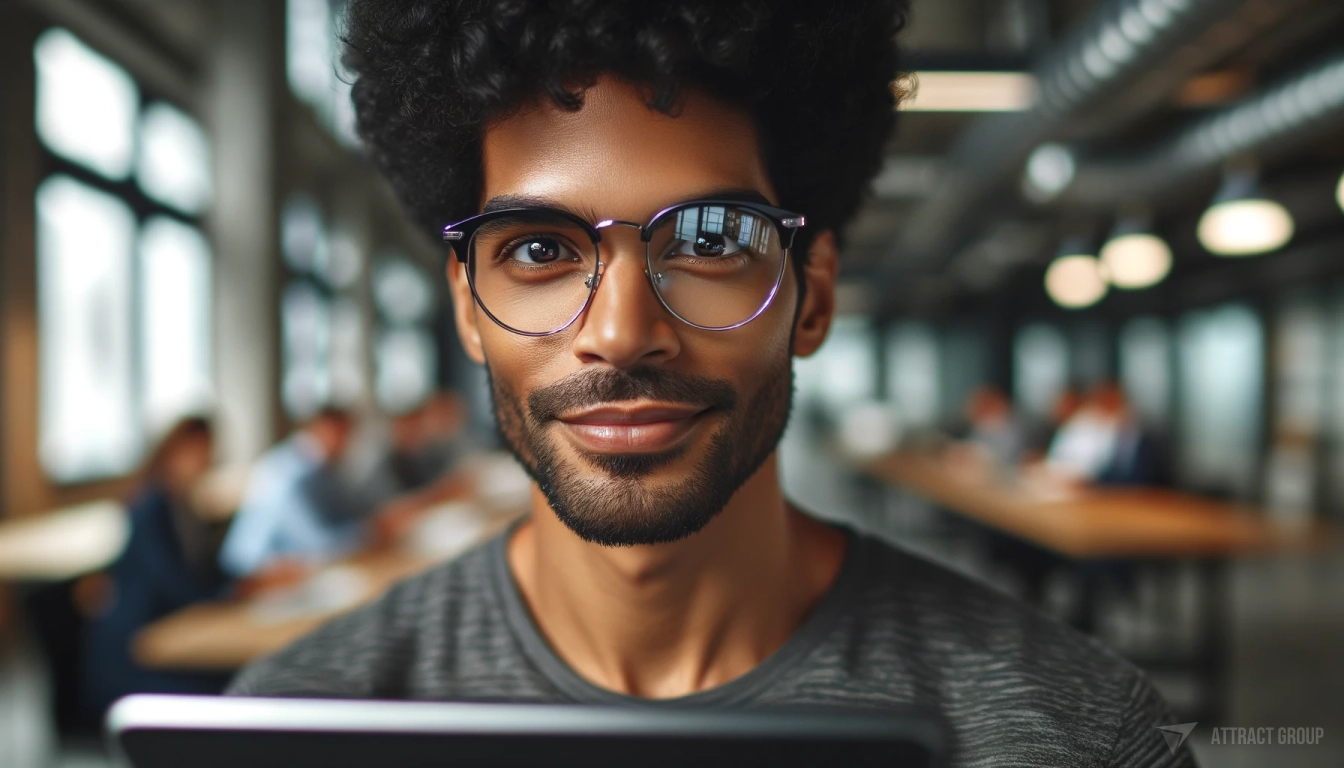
column 454, row 238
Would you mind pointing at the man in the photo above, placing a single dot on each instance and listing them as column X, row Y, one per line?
column 296, row 511
column 642, row 201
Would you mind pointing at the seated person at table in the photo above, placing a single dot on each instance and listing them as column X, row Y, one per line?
column 644, row 381
column 168, row 564
column 995, row 431
column 297, row 510
column 416, row 464
column 1103, row 442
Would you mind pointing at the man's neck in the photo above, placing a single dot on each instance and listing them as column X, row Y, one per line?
column 669, row 620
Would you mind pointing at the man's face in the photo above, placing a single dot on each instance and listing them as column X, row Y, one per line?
column 637, row 427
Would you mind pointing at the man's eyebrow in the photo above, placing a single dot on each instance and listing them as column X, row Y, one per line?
column 507, row 202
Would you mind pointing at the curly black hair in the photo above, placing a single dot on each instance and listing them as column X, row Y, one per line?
column 817, row 77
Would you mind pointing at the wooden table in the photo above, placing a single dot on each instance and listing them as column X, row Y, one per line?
column 1097, row 523
column 64, row 543
column 1136, row 524
column 227, row 634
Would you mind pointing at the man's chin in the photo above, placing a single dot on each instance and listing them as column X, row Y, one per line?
column 632, row 466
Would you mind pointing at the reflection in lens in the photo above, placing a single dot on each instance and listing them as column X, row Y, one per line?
column 532, row 271
column 715, row 266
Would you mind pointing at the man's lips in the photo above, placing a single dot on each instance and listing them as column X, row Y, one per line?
column 631, row 429
column 629, row 416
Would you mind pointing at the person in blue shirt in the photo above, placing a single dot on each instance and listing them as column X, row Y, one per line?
column 168, row 564
column 296, row 511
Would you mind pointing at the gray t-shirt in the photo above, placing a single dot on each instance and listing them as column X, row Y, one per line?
column 1016, row 688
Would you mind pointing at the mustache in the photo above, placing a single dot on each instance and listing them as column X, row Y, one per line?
column 590, row 388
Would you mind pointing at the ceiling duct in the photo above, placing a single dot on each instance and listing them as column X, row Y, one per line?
column 1276, row 119
column 1097, row 64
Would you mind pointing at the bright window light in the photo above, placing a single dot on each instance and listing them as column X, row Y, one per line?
column 89, row 425
column 309, row 49
column 347, row 367
column 175, row 324
column 406, row 363
column 972, row 92
column 1144, row 347
column 305, row 324
column 174, row 162
column 303, row 234
column 1040, row 367
column 1076, row 281
column 401, row 291
column 86, row 105
column 1137, row 260
column 1245, row 227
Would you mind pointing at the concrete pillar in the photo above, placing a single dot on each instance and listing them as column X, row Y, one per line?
column 246, row 78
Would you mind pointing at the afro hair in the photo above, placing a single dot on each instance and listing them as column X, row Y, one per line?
column 818, row 78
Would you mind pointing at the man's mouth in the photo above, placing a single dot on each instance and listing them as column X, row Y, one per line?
column 632, row 427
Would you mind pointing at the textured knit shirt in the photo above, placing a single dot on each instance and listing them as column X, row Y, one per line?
column 1015, row 687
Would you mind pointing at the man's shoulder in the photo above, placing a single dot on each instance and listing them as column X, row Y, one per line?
column 998, row 668
column 372, row 651
column 947, row 612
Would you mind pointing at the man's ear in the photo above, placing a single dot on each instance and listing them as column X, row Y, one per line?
column 464, row 310
column 814, row 316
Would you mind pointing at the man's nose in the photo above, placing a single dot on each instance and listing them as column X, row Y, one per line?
column 625, row 325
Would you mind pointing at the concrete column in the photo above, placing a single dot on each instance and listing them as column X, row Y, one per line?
column 246, row 78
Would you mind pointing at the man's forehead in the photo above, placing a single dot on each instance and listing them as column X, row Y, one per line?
column 617, row 157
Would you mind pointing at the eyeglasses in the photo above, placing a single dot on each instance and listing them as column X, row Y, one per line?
column 714, row 264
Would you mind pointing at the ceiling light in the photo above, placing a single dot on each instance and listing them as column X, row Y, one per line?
column 1075, row 281
column 972, row 92
column 1134, row 257
column 1241, row 221
column 1339, row 193
column 1136, row 261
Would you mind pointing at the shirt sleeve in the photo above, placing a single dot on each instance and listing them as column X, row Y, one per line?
column 1139, row 743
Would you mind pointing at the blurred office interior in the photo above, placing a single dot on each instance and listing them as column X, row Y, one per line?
column 1090, row 345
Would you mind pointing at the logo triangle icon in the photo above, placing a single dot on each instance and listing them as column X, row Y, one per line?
column 1175, row 735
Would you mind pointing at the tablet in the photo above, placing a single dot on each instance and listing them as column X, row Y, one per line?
column 215, row 732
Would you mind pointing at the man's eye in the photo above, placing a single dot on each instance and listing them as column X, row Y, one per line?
column 708, row 245
column 538, row 250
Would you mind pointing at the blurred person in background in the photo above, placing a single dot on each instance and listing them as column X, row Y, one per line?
column 995, row 431
column 297, row 510
column 1103, row 443
column 641, row 368
column 168, row 564
column 425, row 464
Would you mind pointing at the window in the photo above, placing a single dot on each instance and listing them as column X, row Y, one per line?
column 87, row 413
column 322, row 323
column 1145, row 369
column 124, row 273
column 313, row 67
column 407, row 358
column 173, row 167
column 1040, row 368
column 175, row 321
column 86, row 105
column 912, row 373
column 1221, row 393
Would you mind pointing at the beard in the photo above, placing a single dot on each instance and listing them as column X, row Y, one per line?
column 614, row 502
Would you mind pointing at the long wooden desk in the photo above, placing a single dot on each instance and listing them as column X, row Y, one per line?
column 1140, row 524
column 227, row 634
column 64, row 543
column 1097, row 523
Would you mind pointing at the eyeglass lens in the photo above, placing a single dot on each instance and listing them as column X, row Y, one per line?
column 714, row 266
